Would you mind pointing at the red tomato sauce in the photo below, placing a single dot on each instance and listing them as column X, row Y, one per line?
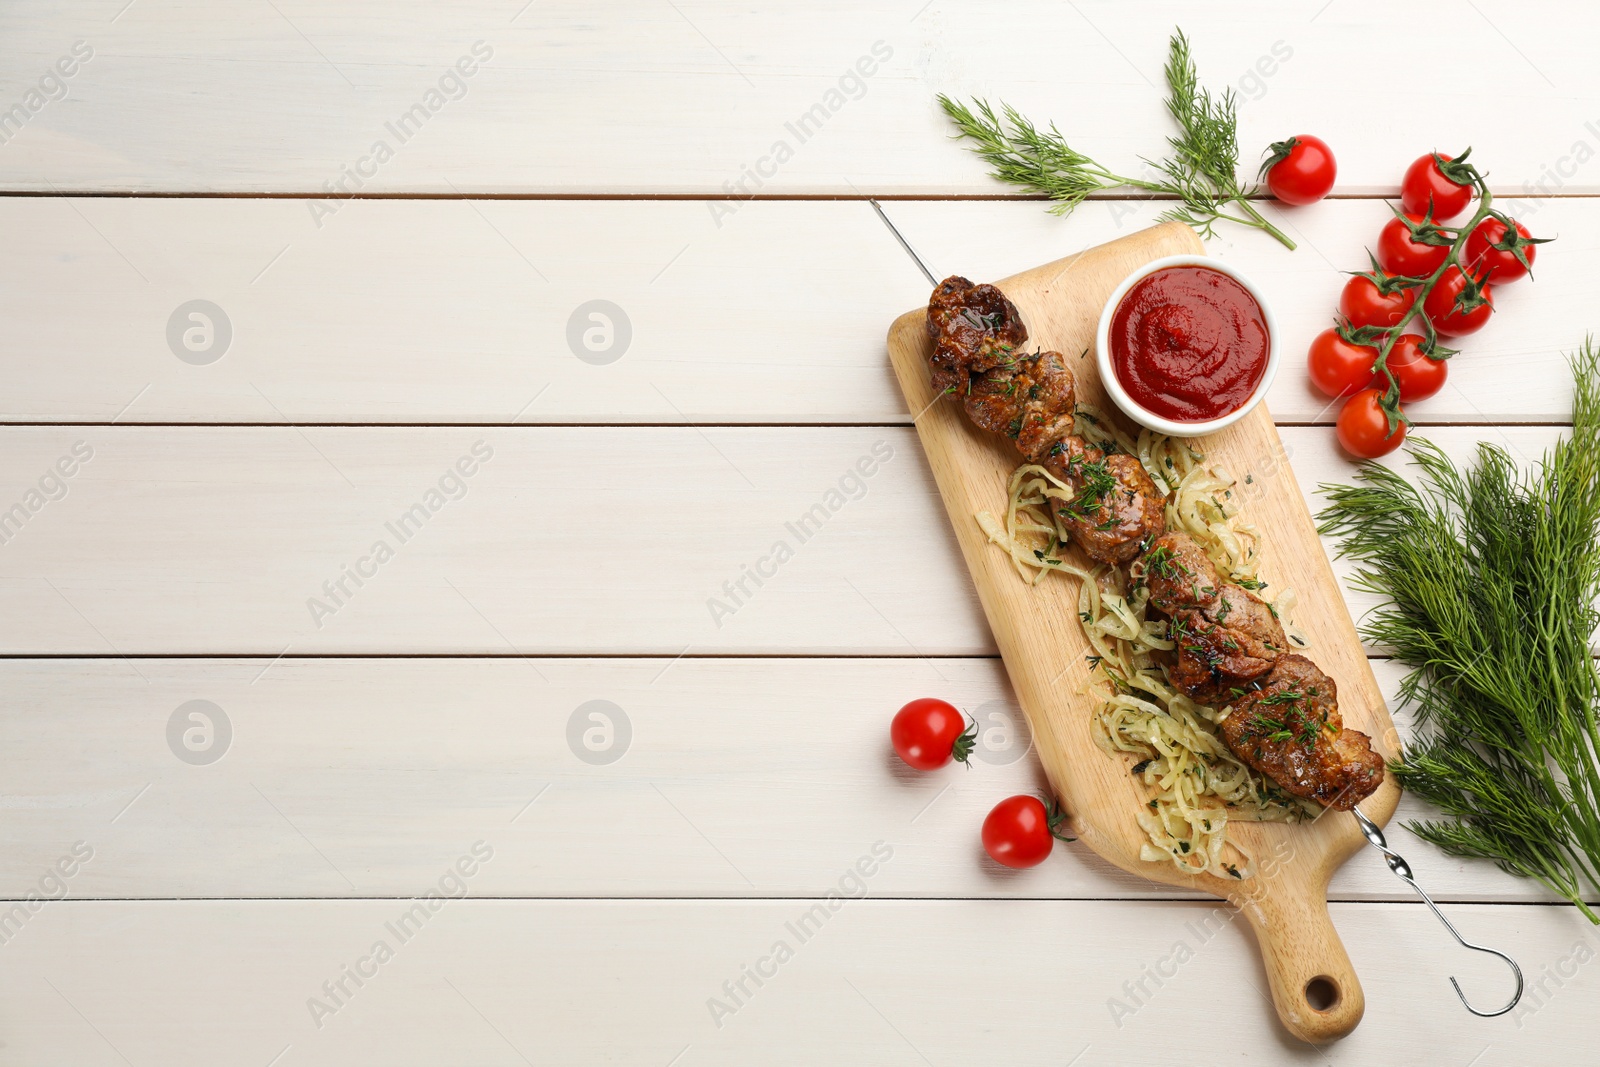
column 1189, row 344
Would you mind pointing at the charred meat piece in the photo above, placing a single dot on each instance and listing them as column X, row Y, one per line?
column 1117, row 509
column 1227, row 645
column 974, row 329
column 1226, row 638
column 1180, row 575
column 1030, row 400
column 1289, row 729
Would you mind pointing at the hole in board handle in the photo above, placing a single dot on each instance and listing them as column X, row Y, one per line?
column 1322, row 993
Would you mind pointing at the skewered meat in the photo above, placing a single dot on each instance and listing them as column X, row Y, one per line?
column 1031, row 399
column 1290, row 730
column 1117, row 509
column 974, row 328
column 1285, row 721
column 1225, row 636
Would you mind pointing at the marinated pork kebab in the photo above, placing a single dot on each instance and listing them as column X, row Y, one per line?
column 1230, row 647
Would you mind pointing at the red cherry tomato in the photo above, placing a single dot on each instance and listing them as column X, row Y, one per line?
column 1492, row 251
column 1401, row 255
column 926, row 733
column 1300, row 170
column 1364, row 304
column 1441, row 304
column 1425, row 187
column 1020, row 831
column 1338, row 367
column 1363, row 428
column 1419, row 376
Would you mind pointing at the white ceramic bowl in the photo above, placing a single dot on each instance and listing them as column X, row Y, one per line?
column 1136, row 411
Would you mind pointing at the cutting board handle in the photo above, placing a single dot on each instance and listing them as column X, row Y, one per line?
column 1314, row 986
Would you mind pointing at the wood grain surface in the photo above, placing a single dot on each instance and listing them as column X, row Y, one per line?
column 1043, row 648
column 383, row 321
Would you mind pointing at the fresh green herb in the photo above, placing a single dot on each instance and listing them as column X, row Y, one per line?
column 1266, row 724
column 1199, row 171
column 1491, row 578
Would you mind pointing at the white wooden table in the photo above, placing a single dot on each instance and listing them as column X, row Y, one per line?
column 419, row 728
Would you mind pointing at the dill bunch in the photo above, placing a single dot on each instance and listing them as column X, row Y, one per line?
column 1200, row 171
column 1490, row 578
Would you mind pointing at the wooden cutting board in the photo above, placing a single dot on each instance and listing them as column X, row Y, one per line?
column 1044, row 649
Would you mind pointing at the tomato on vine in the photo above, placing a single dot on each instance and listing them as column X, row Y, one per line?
column 1500, row 252
column 1437, row 185
column 1363, row 427
column 1411, row 246
column 1459, row 303
column 1021, row 831
column 1300, row 170
column 927, row 733
column 1374, row 298
column 1418, row 374
column 1338, row 366
column 1429, row 277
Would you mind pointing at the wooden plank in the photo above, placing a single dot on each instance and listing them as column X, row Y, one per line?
column 408, row 311
column 566, row 541
column 448, row 311
column 692, row 97
column 338, row 777
column 501, row 982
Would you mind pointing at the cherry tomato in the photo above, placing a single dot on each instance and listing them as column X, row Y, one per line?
column 1450, row 320
column 1020, row 831
column 1426, row 187
column 1363, row 428
column 1400, row 255
column 927, row 732
column 1491, row 250
column 1338, row 367
column 1364, row 304
column 1300, row 170
column 1419, row 376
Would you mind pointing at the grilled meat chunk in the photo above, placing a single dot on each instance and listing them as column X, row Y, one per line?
column 974, row 329
column 1226, row 638
column 1289, row 728
column 1117, row 510
column 1215, row 656
column 1180, row 575
column 1031, row 400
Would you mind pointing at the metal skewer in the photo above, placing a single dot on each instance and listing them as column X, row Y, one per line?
column 1402, row 869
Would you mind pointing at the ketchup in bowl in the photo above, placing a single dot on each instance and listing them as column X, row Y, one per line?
column 1189, row 344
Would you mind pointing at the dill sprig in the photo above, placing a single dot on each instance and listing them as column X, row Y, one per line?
column 1200, row 172
column 1491, row 578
